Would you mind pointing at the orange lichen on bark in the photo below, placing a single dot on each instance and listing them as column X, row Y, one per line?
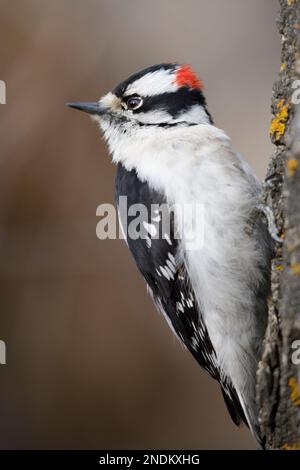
column 291, row 446
column 278, row 125
column 279, row 267
column 283, row 67
column 292, row 165
column 295, row 391
column 296, row 268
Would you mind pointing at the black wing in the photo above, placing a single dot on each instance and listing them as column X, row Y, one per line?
column 157, row 257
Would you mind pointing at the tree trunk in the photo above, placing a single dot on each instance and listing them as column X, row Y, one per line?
column 278, row 387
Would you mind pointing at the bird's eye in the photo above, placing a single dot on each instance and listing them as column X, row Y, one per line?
column 134, row 102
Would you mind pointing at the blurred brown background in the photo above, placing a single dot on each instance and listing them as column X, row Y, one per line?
column 90, row 364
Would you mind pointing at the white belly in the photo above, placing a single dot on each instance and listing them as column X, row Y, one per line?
column 197, row 165
column 223, row 268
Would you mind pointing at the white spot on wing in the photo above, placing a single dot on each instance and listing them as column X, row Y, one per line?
column 171, row 257
column 171, row 275
column 164, row 272
column 171, row 266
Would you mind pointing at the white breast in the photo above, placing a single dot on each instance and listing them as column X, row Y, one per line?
column 197, row 165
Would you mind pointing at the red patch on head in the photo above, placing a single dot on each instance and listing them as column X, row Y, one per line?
column 185, row 76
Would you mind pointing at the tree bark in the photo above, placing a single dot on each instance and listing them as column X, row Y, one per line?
column 278, row 384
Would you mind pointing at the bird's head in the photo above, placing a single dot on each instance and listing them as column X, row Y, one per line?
column 162, row 96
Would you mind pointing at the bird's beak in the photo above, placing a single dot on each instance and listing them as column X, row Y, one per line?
column 91, row 108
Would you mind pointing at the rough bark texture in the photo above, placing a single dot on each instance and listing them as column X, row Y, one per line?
column 278, row 388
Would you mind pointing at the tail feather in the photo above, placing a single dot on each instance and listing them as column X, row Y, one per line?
column 240, row 412
column 250, row 412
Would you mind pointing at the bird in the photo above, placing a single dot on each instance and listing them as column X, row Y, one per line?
column 213, row 293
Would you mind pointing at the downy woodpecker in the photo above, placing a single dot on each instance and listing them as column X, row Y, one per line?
column 169, row 152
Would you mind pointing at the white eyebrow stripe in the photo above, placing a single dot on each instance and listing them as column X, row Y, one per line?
column 153, row 83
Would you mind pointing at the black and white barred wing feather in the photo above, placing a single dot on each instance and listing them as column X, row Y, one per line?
column 157, row 257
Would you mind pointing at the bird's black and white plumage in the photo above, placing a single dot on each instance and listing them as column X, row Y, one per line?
column 170, row 155
column 160, row 263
